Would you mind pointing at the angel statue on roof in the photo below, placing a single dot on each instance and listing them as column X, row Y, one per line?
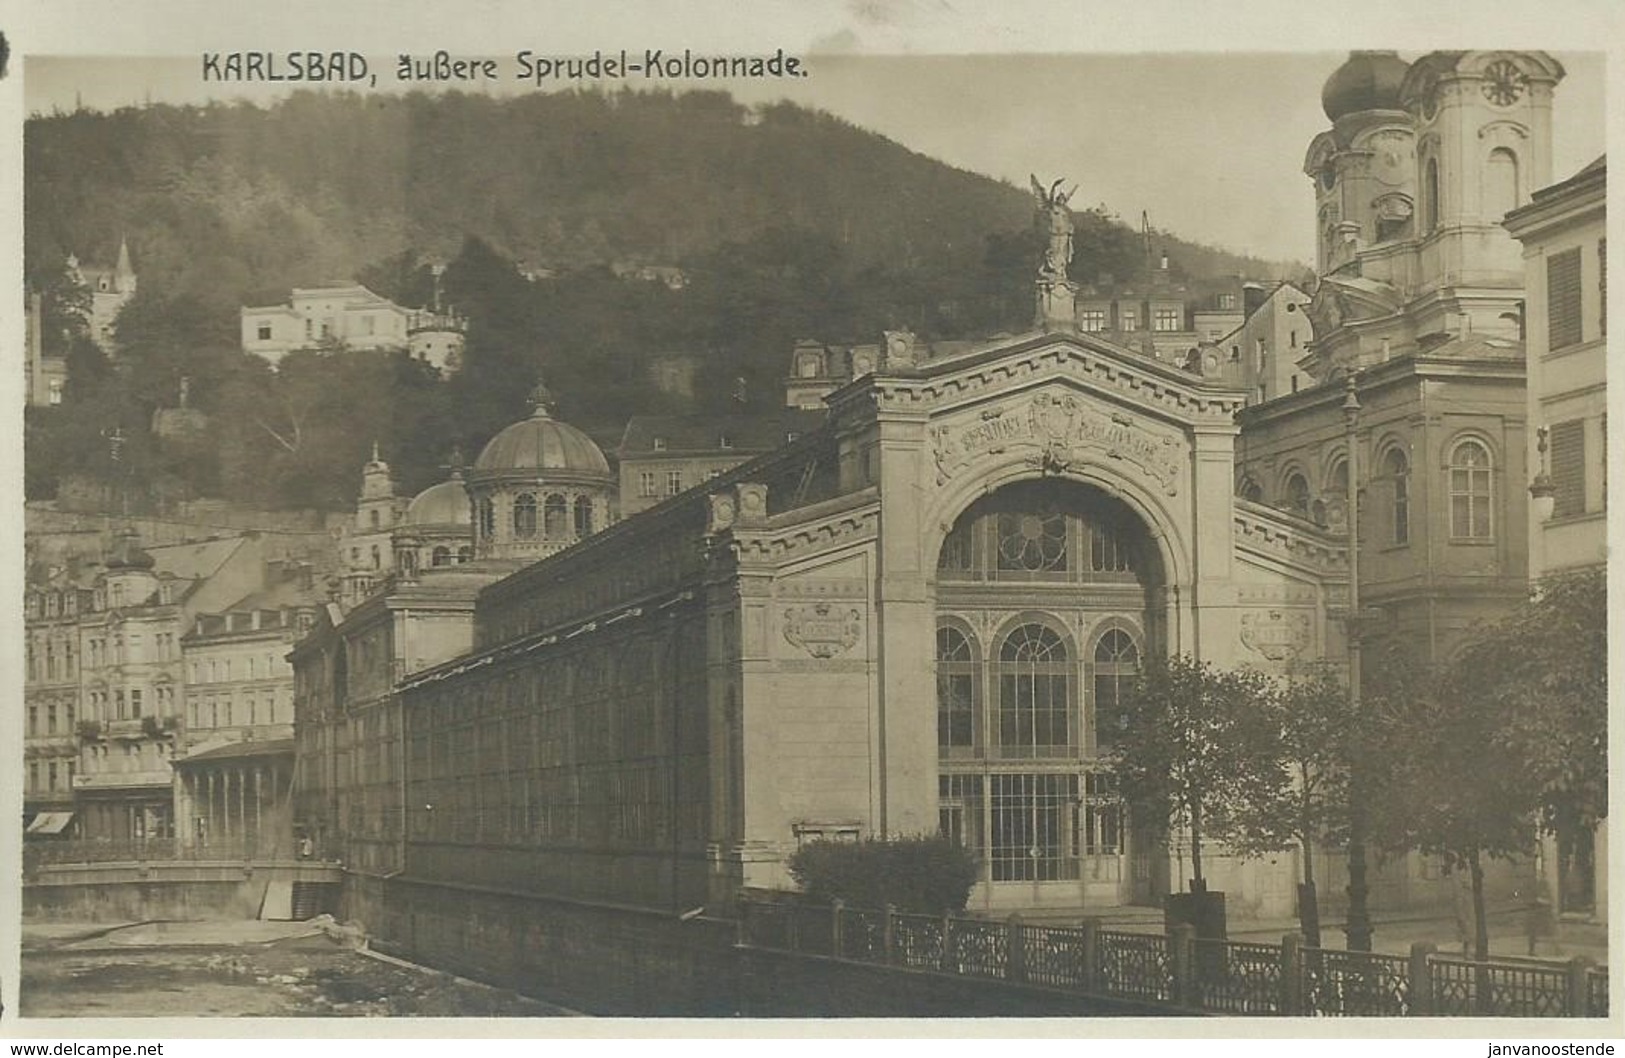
column 1056, row 218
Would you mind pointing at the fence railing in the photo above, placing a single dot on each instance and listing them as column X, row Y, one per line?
column 1180, row 970
column 62, row 853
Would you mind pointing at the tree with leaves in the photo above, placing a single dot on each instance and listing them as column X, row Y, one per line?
column 1462, row 783
column 1542, row 672
column 1310, row 729
column 1196, row 745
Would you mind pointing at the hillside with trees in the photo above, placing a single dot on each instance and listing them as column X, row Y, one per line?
column 787, row 224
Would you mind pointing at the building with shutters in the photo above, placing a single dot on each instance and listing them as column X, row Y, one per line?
column 1564, row 233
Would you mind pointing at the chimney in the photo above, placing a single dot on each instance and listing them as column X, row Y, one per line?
column 1252, row 296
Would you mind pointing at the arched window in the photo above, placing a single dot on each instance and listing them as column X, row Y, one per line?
column 1252, row 491
column 1500, row 184
column 1470, row 491
column 441, row 556
column 957, row 692
column 408, row 561
column 1430, row 196
column 1337, row 480
column 487, row 519
column 1297, row 494
column 1117, row 662
column 1035, row 694
column 465, row 554
column 556, row 517
column 1398, row 471
column 1032, row 541
column 583, row 516
column 524, row 516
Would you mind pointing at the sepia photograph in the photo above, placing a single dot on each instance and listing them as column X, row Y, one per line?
column 793, row 532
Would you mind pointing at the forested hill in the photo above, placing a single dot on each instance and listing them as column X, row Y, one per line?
column 786, row 224
column 239, row 203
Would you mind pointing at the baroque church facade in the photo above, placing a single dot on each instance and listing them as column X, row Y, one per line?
column 922, row 614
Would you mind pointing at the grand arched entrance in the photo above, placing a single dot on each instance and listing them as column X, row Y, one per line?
column 1048, row 594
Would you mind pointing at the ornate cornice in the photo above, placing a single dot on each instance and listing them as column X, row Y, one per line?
column 1138, row 380
column 1268, row 533
column 808, row 535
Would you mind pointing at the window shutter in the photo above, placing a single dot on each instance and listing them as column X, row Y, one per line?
column 1563, row 298
column 1569, row 467
column 1602, row 286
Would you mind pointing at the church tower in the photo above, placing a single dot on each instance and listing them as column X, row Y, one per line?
column 1411, row 182
column 376, row 511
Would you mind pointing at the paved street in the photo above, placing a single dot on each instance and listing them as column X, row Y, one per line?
column 234, row 969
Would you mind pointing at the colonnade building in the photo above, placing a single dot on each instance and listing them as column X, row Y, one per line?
column 921, row 615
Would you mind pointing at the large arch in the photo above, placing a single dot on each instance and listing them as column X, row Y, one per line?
column 949, row 503
column 1032, row 574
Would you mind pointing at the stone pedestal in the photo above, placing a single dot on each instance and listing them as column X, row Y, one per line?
column 1057, row 309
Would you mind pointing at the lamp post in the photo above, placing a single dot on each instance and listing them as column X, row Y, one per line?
column 1358, row 927
column 1543, row 490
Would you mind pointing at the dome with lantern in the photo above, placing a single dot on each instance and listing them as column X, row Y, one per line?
column 437, row 529
column 538, row 486
column 542, row 443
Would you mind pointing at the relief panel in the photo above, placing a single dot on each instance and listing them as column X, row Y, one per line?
column 1061, row 429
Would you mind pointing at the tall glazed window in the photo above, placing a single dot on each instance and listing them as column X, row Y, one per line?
column 1036, row 701
column 1116, row 664
column 1470, row 491
column 1398, row 471
column 958, row 692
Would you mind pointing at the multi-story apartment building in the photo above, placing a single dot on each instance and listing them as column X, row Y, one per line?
column 234, row 762
column 1564, row 232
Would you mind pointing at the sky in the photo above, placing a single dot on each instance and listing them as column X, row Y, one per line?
column 1211, row 146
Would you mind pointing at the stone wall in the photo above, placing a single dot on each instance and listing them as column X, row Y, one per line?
column 795, row 985
column 600, row 959
column 618, row 961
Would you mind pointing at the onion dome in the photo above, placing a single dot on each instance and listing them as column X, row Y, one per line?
column 442, row 504
column 542, row 443
column 1369, row 80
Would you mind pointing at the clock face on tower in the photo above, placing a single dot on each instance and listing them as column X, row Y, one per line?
column 1503, row 83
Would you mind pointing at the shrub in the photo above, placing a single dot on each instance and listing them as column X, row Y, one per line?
column 929, row 875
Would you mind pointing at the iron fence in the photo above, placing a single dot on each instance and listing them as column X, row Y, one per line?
column 918, row 942
column 863, row 935
column 1182, row 971
column 1497, row 989
column 978, row 948
column 1236, row 978
column 1336, row 983
column 1058, row 957
column 1135, row 966
column 1596, row 993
